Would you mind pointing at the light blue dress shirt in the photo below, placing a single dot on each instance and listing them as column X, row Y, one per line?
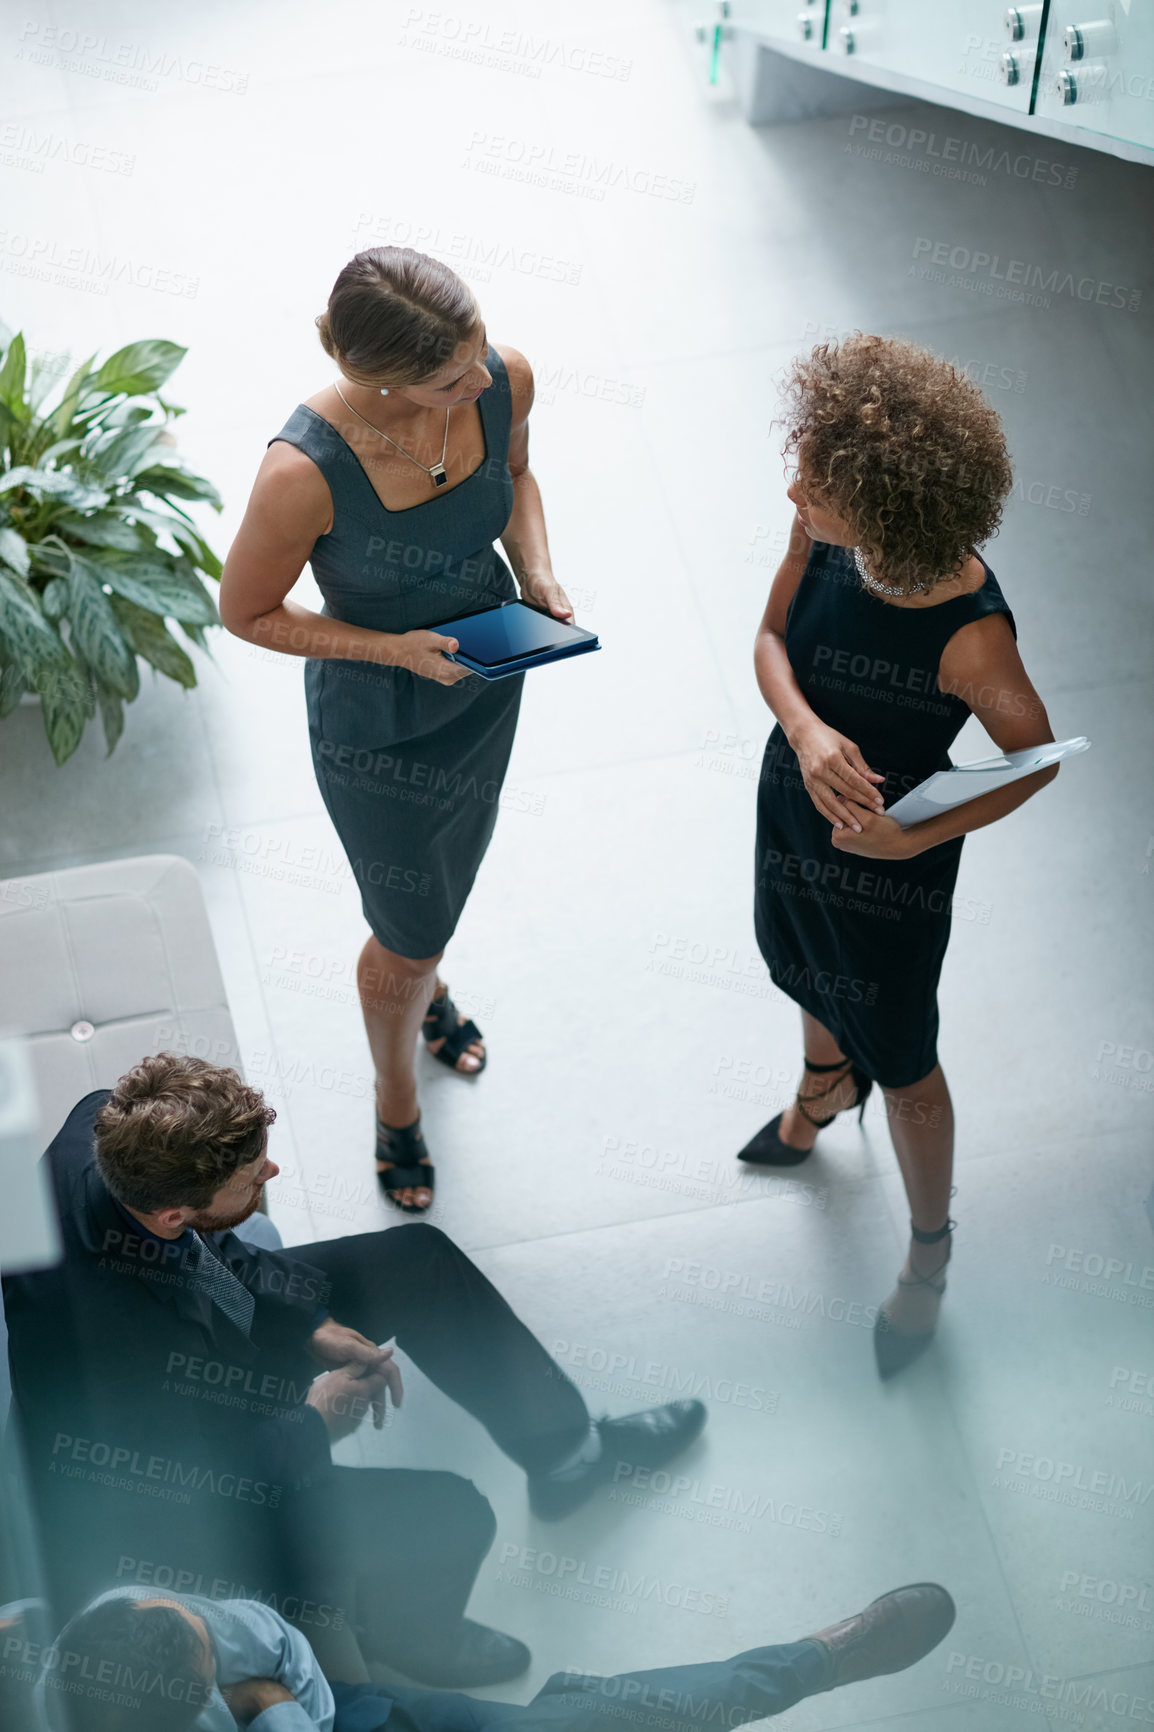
column 251, row 1641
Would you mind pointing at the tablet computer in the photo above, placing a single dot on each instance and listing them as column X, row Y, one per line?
column 497, row 641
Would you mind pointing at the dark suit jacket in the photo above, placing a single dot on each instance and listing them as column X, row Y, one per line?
column 147, row 1416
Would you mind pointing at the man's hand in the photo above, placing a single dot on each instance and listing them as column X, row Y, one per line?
column 343, row 1397
column 251, row 1696
column 334, row 1344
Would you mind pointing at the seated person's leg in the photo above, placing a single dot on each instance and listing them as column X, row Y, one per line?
column 412, row 1542
column 413, row 1283
column 893, row 1632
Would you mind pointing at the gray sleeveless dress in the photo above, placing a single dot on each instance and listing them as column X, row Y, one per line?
column 410, row 770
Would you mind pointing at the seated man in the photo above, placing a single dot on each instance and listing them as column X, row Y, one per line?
column 164, row 1378
column 129, row 1661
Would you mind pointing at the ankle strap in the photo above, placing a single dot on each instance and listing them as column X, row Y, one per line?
column 811, row 1066
column 932, row 1238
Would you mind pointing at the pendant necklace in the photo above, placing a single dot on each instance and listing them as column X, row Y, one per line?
column 435, row 471
column 876, row 585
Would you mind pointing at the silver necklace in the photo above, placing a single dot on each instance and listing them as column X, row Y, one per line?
column 435, row 472
column 876, row 585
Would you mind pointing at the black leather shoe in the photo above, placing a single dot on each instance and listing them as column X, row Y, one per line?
column 891, row 1634
column 648, row 1439
column 478, row 1656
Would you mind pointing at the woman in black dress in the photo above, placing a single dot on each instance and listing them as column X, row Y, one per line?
column 884, row 630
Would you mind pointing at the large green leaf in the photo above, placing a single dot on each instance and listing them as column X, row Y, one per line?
column 165, row 478
column 140, row 367
column 12, row 380
column 73, row 392
column 95, row 630
column 151, row 639
column 114, row 458
column 98, row 530
column 14, row 551
column 198, row 549
column 28, row 637
column 43, row 375
column 112, row 716
column 11, row 688
column 55, row 484
column 67, row 703
column 166, row 589
column 54, row 598
column 57, row 449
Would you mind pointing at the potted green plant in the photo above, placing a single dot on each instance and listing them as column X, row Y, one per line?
column 96, row 551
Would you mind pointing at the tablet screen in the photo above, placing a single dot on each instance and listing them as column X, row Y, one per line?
column 505, row 634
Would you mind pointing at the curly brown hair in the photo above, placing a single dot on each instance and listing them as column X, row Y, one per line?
column 175, row 1129
column 904, row 448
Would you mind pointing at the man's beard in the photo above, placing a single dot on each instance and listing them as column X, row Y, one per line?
column 207, row 1222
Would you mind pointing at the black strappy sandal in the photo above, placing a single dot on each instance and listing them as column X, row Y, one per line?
column 440, row 1020
column 767, row 1149
column 408, row 1145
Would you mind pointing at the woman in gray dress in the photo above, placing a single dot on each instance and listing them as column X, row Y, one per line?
column 393, row 484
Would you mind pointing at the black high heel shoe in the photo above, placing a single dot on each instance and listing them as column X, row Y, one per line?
column 409, row 1169
column 894, row 1350
column 769, row 1149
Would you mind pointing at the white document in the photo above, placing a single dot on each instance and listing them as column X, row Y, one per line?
column 948, row 788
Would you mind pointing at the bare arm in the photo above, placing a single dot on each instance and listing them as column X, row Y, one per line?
column 831, row 765
column 289, row 508
column 524, row 539
column 980, row 665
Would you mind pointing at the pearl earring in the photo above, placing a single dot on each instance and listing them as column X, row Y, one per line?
column 384, row 390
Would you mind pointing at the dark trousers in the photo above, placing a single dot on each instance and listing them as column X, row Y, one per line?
column 405, row 1546
column 413, row 1283
column 720, row 1694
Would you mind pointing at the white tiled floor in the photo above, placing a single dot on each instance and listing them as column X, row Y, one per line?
column 596, row 1152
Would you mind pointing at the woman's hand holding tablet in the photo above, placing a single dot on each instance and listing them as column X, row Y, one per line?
column 511, row 637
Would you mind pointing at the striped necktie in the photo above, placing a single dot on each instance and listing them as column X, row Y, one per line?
column 221, row 1285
